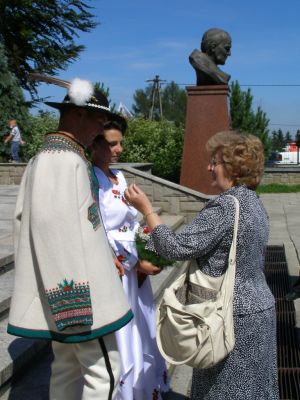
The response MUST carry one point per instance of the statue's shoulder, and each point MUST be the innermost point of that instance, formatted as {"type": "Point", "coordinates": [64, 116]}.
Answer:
{"type": "Point", "coordinates": [198, 59]}
{"type": "Point", "coordinates": [196, 54]}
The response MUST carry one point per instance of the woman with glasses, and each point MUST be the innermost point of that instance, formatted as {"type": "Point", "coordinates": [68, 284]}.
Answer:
{"type": "Point", "coordinates": [249, 372]}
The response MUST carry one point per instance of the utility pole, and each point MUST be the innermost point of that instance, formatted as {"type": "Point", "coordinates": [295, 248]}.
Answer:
{"type": "Point", "coordinates": [156, 93]}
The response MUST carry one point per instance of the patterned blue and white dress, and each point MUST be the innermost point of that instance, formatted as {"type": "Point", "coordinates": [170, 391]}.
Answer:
{"type": "Point", "coordinates": [250, 371]}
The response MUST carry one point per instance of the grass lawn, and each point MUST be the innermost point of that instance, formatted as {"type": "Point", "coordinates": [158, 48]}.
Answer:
{"type": "Point", "coordinates": [278, 188]}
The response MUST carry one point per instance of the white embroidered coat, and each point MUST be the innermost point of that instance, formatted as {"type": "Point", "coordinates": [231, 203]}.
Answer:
{"type": "Point", "coordinates": [66, 285]}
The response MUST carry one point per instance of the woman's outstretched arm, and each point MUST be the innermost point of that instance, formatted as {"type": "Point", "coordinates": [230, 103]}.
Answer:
{"type": "Point", "coordinates": [139, 200]}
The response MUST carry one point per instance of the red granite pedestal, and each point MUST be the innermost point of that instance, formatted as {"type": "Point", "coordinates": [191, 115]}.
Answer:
{"type": "Point", "coordinates": [207, 114]}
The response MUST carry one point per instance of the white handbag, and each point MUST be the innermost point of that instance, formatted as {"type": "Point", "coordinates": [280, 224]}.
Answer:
{"type": "Point", "coordinates": [195, 315]}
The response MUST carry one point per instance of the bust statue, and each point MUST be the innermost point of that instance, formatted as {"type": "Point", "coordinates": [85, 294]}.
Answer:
{"type": "Point", "coordinates": [215, 48]}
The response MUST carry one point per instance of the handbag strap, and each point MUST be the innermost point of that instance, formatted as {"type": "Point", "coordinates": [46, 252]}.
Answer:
{"type": "Point", "coordinates": [232, 253]}
{"type": "Point", "coordinates": [227, 286]}
{"type": "Point", "coordinates": [229, 275]}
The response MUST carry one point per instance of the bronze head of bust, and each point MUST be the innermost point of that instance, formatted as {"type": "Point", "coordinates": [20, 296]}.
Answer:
{"type": "Point", "coordinates": [215, 48]}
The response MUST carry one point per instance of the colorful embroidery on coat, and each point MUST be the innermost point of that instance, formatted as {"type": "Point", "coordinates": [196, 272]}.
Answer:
{"type": "Point", "coordinates": [70, 304]}
{"type": "Point", "coordinates": [57, 142]}
{"type": "Point", "coordinates": [93, 216]}
{"type": "Point", "coordinates": [94, 183]}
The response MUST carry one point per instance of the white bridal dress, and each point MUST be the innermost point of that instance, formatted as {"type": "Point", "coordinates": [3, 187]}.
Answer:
{"type": "Point", "coordinates": [144, 373]}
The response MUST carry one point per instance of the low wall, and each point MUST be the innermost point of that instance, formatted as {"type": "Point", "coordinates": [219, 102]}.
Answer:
{"type": "Point", "coordinates": [172, 198]}
{"type": "Point", "coordinates": [284, 175]}
{"type": "Point", "coordinates": [11, 174]}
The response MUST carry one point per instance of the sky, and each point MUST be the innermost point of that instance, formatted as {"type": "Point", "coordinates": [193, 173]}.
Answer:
{"type": "Point", "coordinates": [138, 39]}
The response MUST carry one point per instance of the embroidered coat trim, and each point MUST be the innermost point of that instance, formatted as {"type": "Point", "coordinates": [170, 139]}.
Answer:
{"type": "Point", "coordinates": [70, 304]}
{"type": "Point", "coordinates": [70, 338]}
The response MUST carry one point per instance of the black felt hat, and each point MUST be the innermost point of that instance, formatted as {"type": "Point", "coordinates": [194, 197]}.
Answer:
{"type": "Point", "coordinates": [81, 93]}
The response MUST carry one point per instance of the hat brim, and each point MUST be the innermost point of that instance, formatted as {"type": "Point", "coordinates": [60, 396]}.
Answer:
{"type": "Point", "coordinates": [111, 116]}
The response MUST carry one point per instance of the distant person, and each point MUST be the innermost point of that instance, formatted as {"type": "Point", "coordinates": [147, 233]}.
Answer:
{"type": "Point", "coordinates": [215, 48]}
{"type": "Point", "coordinates": [15, 138]}
{"type": "Point", "coordinates": [143, 373]}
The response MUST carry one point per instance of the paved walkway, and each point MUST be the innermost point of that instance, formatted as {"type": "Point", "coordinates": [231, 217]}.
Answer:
{"type": "Point", "coordinates": [284, 215]}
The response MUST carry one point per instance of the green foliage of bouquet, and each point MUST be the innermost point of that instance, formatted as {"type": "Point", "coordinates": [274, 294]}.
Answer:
{"type": "Point", "coordinates": [141, 239]}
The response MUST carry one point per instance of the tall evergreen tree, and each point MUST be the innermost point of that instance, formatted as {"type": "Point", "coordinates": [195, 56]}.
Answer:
{"type": "Point", "coordinates": [12, 105]}
{"type": "Point", "coordinates": [105, 90]}
{"type": "Point", "coordinates": [244, 119]}
{"type": "Point", "coordinates": [287, 138]}
{"type": "Point", "coordinates": [297, 137]}
{"type": "Point", "coordinates": [278, 140]}
{"type": "Point", "coordinates": [173, 103]}
{"type": "Point", "coordinates": [142, 102]}
{"type": "Point", "coordinates": [39, 35]}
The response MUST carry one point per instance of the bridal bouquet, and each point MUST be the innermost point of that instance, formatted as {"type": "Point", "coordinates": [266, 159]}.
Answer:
{"type": "Point", "coordinates": [141, 239]}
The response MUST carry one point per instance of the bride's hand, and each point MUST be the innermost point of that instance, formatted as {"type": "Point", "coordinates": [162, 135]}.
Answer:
{"type": "Point", "coordinates": [147, 267]}
{"type": "Point", "coordinates": [119, 267]}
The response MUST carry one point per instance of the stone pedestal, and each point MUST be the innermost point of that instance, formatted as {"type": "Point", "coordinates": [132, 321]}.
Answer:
{"type": "Point", "coordinates": [207, 114]}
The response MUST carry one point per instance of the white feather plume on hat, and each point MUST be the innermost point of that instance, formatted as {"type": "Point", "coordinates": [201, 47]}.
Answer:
{"type": "Point", "coordinates": [80, 91]}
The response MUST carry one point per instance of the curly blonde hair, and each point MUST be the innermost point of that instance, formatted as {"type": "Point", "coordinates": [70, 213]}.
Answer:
{"type": "Point", "coordinates": [242, 154]}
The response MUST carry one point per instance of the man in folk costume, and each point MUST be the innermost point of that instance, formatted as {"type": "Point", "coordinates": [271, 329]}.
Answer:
{"type": "Point", "coordinates": [67, 288]}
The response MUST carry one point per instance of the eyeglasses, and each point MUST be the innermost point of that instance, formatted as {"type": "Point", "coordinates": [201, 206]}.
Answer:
{"type": "Point", "coordinates": [213, 162]}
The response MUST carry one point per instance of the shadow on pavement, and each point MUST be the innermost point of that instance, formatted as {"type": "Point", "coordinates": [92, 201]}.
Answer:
{"type": "Point", "coordinates": [174, 396]}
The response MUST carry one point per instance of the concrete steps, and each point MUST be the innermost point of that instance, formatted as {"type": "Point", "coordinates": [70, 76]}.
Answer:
{"type": "Point", "coordinates": [15, 353]}
{"type": "Point", "coordinates": [6, 289]}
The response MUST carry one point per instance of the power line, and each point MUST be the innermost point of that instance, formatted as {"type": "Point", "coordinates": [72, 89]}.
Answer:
{"type": "Point", "coordinates": [272, 85]}
{"type": "Point", "coordinates": [156, 89]}
{"type": "Point", "coordinates": [298, 125]}
{"type": "Point", "coordinates": [252, 84]}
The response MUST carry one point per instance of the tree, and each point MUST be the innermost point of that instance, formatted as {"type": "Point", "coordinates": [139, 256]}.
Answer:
{"type": "Point", "coordinates": [297, 137]}
{"type": "Point", "coordinates": [278, 141]}
{"type": "Point", "coordinates": [12, 105]}
{"type": "Point", "coordinates": [105, 90]}
{"type": "Point", "coordinates": [173, 103]}
{"type": "Point", "coordinates": [157, 142]}
{"type": "Point", "coordinates": [38, 126]}
{"type": "Point", "coordinates": [244, 119]}
{"type": "Point", "coordinates": [38, 35]}
{"type": "Point", "coordinates": [287, 138]}
{"type": "Point", "coordinates": [142, 102]}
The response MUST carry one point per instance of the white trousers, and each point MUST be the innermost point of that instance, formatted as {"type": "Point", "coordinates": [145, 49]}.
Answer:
{"type": "Point", "coordinates": [85, 371]}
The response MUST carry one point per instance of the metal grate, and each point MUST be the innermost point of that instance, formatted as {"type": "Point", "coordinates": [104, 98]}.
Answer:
{"type": "Point", "coordinates": [287, 345]}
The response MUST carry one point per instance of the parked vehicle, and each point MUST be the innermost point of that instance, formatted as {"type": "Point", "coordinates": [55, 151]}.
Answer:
{"type": "Point", "coordinates": [290, 155]}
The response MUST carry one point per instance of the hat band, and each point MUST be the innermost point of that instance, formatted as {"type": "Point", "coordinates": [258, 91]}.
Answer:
{"type": "Point", "coordinates": [90, 105]}
{"type": "Point", "coordinates": [98, 106]}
